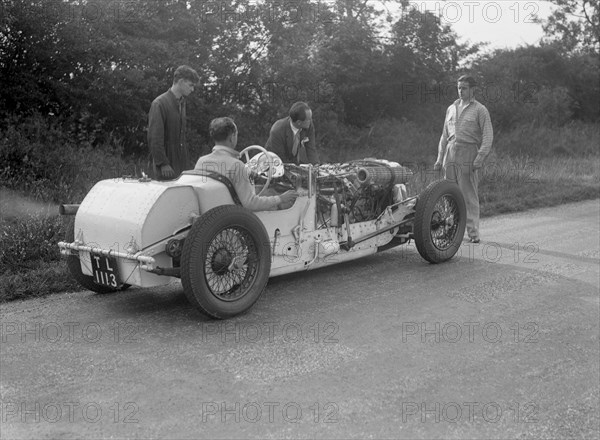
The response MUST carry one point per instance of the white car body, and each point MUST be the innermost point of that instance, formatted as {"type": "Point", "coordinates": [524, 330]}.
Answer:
{"type": "Point", "coordinates": [131, 231]}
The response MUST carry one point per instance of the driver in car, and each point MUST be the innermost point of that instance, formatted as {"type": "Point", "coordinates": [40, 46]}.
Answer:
{"type": "Point", "coordinates": [225, 160]}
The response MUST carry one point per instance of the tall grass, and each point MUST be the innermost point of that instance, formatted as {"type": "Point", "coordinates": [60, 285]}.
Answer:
{"type": "Point", "coordinates": [526, 183]}
{"type": "Point", "coordinates": [575, 139]}
{"type": "Point", "coordinates": [29, 257]}
{"type": "Point", "coordinates": [406, 142]}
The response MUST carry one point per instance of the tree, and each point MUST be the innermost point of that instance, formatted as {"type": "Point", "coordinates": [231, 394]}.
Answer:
{"type": "Point", "coordinates": [423, 60]}
{"type": "Point", "coordinates": [575, 25]}
{"type": "Point", "coordinates": [538, 85]}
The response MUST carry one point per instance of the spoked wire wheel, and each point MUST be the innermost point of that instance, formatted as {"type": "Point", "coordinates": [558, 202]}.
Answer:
{"type": "Point", "coordinates": [226, 261]}
{"type": "Point", "coordinates": [445, 222]}
{"type": "Point", "coordinates": [440, 221]}
{"type": "Point", "coordinates": [231, 263]}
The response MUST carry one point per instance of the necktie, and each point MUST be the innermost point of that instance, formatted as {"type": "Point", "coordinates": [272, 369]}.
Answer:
{"type": "Point", "coordinates": [296, 143]}
{"type": "Point", "coordinates": [181, 119]}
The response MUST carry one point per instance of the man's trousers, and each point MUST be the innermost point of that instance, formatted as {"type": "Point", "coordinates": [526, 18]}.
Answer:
{"type": "Point", "coordinates": [458, 167]}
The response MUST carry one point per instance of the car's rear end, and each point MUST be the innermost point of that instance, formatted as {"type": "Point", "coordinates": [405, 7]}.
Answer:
{"type": "Point", "coordinates": [129, 231]}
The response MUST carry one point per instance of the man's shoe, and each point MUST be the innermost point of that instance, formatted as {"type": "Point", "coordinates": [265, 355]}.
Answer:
{"type": "Point", "coordinates": [474, 240]}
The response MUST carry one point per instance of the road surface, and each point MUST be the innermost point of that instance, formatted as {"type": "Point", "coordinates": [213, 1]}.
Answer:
{"type": "Point", "coordinates": [500, 342]}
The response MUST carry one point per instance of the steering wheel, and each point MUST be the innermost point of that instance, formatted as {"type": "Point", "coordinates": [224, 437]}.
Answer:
{"type": "Point", "coordinates": [266, 164]}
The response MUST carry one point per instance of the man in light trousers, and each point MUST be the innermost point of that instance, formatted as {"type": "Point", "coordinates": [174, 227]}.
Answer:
{"type": "Point", "coordinates": [465, 142]}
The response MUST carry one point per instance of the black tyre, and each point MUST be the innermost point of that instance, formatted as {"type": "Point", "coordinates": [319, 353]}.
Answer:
{"type": "Point", "coordinates": [74, 266]}
{"type": "Point", "coordinates": [440, 220]}
{"type": "Point", "coordinates": [226, 261]}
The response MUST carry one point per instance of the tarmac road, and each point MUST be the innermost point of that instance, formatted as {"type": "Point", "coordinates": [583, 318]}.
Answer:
{"type": "Point", "coordinates": [500, 342]}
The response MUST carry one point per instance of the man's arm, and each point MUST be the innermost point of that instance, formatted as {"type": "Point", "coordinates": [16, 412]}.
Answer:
{"type": "Point", "coordinates": [442, 144]}
{"type": "Point", "coordinates": [311, 148]}
{"type": "Point", "coordinates": [246, 193]}
{"type": "Point", "coordinates": [156, 135]}
{"type": "Point", "coordinates": [487, 136]}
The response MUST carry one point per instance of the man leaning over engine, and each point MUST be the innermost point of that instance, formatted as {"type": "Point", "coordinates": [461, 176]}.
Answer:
{"type": "Point", "coordinates": [224, 159]}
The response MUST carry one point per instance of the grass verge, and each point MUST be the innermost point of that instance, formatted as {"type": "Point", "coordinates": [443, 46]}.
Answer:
{"type": "Point", "coordinates": [30, 261]}
{"type": "Point", "coordinates": [49, 277]}
{"type": "Point", "coordinates": [540, 183]}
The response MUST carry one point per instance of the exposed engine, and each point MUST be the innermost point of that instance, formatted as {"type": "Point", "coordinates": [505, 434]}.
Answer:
{"type": "Point", "coordinates": [358, 191]}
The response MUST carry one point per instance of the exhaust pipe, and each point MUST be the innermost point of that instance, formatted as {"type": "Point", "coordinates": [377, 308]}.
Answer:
{"type": "Point", "coordinates": [68, 209]}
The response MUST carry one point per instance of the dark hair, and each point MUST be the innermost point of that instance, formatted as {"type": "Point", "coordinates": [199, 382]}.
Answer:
{"type": "Point", "coordinates": [221, 128]}
{"type": "Point", "coordinates": [298, 111]}
{"type": "Point", "coordinates": [186, 72]}
{"type": "Point", "coordinates": [468, 79]}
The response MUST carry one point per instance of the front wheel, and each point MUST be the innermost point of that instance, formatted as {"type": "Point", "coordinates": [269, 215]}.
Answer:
{"type": "Point", "coordinates": [440, 221]}
{"type": "Point", "coordinates": [226, 261]}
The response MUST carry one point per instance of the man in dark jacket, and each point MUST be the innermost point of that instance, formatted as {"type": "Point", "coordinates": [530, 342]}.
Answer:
{"type": "Point", "coordinates": [166, 126]}
{"type": "Point", "coordinates": [293, 138]}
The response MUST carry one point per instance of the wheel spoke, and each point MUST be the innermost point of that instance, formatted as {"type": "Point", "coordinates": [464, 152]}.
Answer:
{"type": "Point", "coordinates": [444, 222]}
{"type": "Point", "coordinates": [231, 263]}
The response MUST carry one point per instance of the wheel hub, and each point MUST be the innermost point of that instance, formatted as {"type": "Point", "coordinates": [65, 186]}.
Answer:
{"type": "Point", "coordinates": [237, 263]}
{"type": "Point", "coordinates": [443, 224]}
{"type": "Point", "coordinates": [221, 261]}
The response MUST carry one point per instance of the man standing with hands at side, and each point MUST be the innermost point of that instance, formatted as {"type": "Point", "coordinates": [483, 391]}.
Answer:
{"type": "Point", "coordinates": [293, 138]}
{"type": "Point", "coordinates": [465, 142]}
{"type": "Point", "coordinates": [167, 124]}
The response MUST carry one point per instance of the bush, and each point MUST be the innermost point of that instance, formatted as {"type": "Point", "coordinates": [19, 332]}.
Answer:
{"type": "Point", "coordinates": [576, 139]}
{"type": "Point", "coordinates": [40, 159]}
{"type": "Point", "coordinates": [397, 140]}
{"type": "Point", "coordinates": [27, 241]}
{"type": "Point", "coordinates": [30, 261]}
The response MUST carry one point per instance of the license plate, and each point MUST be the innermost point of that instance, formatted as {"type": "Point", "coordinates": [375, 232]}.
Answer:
{"type": "Point", "coordinates": [104, 271]}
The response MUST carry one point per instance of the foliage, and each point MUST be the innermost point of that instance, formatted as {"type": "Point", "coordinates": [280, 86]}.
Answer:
{"type": "Point", "coordinates": [98, 65]}
{"type": "Point", "coordinates": [40, 158]}
{"type": "Point", "coordinates": [575, 26]}
{"type": "Point", "coordinates": [91, 69]}
{"type": "Point", "coordinates": [571, 140]}
{"type": "Point", "coordinates": [538, 85]}
{"type": "Point", "coordinates": [30, 262]}
{"type": "Point", "coordinates": [25, 242]}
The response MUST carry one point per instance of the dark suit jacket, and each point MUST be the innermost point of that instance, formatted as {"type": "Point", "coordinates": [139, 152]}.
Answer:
{"type": "Point", "coordinates": [281, 141]}
{"type": "Point", "coordinates": [166, 134]}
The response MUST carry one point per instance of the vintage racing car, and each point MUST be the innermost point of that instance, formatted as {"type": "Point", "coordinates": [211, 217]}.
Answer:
{"type": "Point", "coordinates": [142, 232]}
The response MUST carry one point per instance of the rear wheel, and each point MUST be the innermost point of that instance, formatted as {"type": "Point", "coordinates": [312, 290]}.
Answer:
{"type": "Point", "coordinates": [440, 220]}
{"type": "Point", "coordinates": [74, 266]}
{"type": "Point", "coordinates": [226, 261]}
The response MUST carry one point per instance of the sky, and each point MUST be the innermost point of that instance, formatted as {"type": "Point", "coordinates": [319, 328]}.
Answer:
{"type": "Point", "coordinates": [502, 23]}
